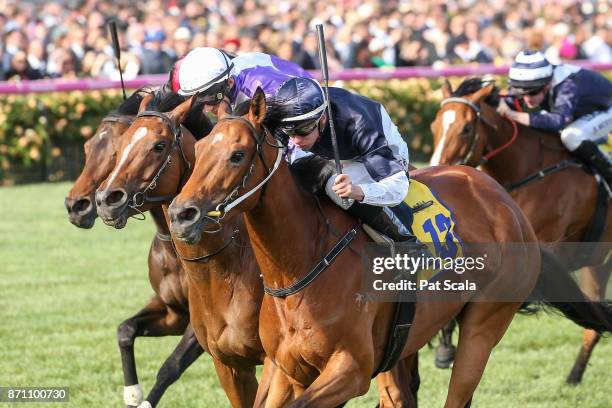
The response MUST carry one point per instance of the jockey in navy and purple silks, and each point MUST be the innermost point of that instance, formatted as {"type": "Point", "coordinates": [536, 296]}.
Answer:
{"type": "Point", "coordinates": [373, 153]}
{"type": "Point", "coordinates": [573, 101]}
{"type": "Point", "coordinates": [220, 80]}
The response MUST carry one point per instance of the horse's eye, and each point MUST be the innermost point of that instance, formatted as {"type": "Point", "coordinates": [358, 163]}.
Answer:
{"type": "Point", "coordinates": [237, 157]}
{"type": "Point", "coordinates": [467, 129]}
{"type": "Point", "coordinates": [159, 147]}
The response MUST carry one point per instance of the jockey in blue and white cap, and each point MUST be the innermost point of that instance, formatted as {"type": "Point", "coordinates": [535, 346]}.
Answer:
{"type": "Point", "coordinates": [573, 101]}
{"type": "Point", "coordinates": [372, 151]}
{"type": "Point", "coordinates": [220, 80]}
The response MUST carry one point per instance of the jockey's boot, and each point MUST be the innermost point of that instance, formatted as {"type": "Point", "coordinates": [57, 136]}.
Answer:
{"type": "Point", "coordinates": [589, 152]}
{"type": "Point", "coordinates": [383, 220]}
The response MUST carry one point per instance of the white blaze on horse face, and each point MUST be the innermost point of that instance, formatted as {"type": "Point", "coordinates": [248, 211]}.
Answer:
{"type": "Point", "coordinates": [102, 134]}
{"type": "Point", "coordinates": [218, 137]}
{"type": "Point", "coordinates": [136, 137]}
{"type": "Point", "coordinates": [448, 118]}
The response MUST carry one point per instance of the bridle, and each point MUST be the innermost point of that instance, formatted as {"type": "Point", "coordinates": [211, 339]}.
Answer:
{"type": "Point", "coordinates": [233, 198]}
{"type": "Point", "coordinates": [140, 197]}
{"type": "Point", "coordinates": [476, 136]}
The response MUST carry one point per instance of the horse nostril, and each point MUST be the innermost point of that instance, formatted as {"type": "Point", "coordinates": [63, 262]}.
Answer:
{"type": "Point", "coordinates": [81, 206]}
{"type": "Point", "coordinates": [116, 198]}
{"type": "Point", "coordinates": [188, 214]}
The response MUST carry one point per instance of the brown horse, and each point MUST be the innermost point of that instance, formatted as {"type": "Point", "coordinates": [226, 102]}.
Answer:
{"type": "Point", "coordinates": [324, 342]}
{"type": "Point", "coordinates": [224, 287]}
{"type": "Point", "coordinates": [225, 290]}
{"type": "Point", "coordinates": [560, 206]}
{"type": "Point", "coordinates": [167, 312]}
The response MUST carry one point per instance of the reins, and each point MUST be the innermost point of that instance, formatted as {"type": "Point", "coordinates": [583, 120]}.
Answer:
{"type": "Point", "coordinates": [475, 136]}
{"type": "Point", "coordinates": [233, 198]}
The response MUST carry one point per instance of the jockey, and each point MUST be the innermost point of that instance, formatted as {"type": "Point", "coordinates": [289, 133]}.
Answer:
{"type": "Point", "coordinates": [571, 100]}
{"type": "Point", "coordinates": [221, 81]}
{"type": "Point", "coordinates": [374, 155]}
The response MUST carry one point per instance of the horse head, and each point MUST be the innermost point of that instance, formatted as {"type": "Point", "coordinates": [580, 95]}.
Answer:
{"type": "Point", "coordinates": [456, 134]}
{"type": "Point", "coordinates": [152, 161]}
{"type": "Point", "coordinates": [231, 166]}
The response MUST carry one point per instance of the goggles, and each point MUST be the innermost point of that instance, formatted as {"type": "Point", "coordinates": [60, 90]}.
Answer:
{"type": "Point", "coordinates": [304, 129]}
{"type": "Point", "coordinates": [528, 92]}
{"type": "Point", "coordinates": [214, 95]}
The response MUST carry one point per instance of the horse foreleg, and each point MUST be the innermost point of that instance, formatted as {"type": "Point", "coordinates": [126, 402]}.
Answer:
{"type": "Point", "coordinates": [482, 327]}
{"type": "Point", "coordinates": [399, 386]}
{"type": "Point", "coordinates": [239, 384]}
{"type": "Point", "coordinates": [186, 352]}
{"type": "Point", "coordinates": [342, 379]}
{"type": "Point", "coordinates": [445, 352]}
{"type": "Point", "coordinates": [153, 320]}
{"type": "Point", "coordinates": [593, 284]}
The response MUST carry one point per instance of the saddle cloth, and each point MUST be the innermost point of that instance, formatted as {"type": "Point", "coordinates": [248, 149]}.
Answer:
{"type": "Point", "coordinates": [433, 224]}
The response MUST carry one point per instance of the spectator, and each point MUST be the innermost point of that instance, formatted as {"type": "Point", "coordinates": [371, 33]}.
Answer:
{"type": "Point", "coordinates": [20, 68]}
{"type": "Point", "coordinates": [360, 33]}
{"type": "Point", "coordinates": [154, 59]}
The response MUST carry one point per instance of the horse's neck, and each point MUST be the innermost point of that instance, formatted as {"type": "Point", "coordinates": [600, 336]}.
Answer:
{"type": "Point", "coordinates": [285, 229]}
{"type": "Point", "coordinates": [159, 219]}
{"type": "Point", "coordinates": [519, 160]}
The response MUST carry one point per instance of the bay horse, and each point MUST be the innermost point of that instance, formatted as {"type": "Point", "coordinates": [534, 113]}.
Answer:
{"type": "Point", "coordinates": [224, 282]}
{"type": "Point", "coordinates": [167, 311]}
{"type": "Point", "coordinates": [324, 342]}
{"type": "Point", "coordinates": [559, 205]}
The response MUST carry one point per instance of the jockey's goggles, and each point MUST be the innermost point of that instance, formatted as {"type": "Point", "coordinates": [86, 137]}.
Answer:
{"type": "Point", "coordinates": [212, 96]}
{"type": "Point", "coordinates": [528, 92]}
{"type": "Point", "coordinates": [303, 129]}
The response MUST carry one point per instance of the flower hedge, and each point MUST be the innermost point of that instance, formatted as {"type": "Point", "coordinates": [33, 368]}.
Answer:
{"type": "Point", "coordinates": [44, 133]}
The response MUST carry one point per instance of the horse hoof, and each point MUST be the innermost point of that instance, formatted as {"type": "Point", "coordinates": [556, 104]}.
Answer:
{"type": "Point", "coordinates": [573, 379]}
{"type": "Point", "coordinates": [444, 357]}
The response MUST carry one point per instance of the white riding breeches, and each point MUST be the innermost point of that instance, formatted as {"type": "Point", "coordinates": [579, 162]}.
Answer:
{"type": "Point", "coordinates": [595, 127]}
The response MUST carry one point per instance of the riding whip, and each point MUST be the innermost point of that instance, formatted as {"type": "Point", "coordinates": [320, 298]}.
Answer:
{"type": "Point", "coordinates": [112, 25]}
{"type": "Point", "coordinates": [325, 76]}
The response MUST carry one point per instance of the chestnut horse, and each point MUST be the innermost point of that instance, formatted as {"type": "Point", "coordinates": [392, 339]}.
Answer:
{"type": "Point", "coordinates": [225, 290]}
{"type": "Point", "coordinates": [167, 312]}
{"type": "Point", "coordinates": [560, 206]}
{"type": "Point", "coordinates": [324, 342]}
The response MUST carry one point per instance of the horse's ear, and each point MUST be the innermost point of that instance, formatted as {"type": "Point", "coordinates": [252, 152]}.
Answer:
{"type": "Point", "coordinates": [257, 109]}
{"type": "Point", "coordinates": [483, 93]}
{"type": "Point", "coordinates": [179, 113]}
{"type": "Point", "coordinates": [145, 101]}
{"type": "Point", "coordinates": [447, 90]}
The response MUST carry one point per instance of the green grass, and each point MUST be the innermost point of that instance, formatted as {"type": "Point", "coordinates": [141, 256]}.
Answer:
{"type": "Point", "coordinates": [63, 291]}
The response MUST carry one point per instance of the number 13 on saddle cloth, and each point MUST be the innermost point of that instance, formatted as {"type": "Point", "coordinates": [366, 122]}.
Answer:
{"type": "Point", "coordinates": [433, 225]}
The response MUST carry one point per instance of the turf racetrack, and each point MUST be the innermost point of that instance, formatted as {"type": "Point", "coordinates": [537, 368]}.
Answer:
{"type": "Point", "coordinates": [63, 291]}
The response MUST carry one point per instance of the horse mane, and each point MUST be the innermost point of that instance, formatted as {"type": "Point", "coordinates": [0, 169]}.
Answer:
{"type": "Point", "coordinates": [132, 103]}
{"type": "Point", "coordinates": [311, 173]}
{"type": "Point", "coordinates": [196, 121]}
{"type": "Point", "coordinates": [164, 100]}
{"type": "Point", "coordinates": [474, 84]}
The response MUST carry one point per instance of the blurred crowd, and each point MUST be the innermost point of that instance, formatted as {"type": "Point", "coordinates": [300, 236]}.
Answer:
{"type": "Point", "coordinates": [69, 38]}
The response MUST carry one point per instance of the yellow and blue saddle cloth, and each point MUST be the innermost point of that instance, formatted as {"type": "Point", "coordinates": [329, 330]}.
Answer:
{"type": "Point", "coordinates": [434, 225]}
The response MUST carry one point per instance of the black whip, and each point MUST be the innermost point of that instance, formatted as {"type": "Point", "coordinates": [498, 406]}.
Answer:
{"type": "Point", "coordinates": [112, 25]}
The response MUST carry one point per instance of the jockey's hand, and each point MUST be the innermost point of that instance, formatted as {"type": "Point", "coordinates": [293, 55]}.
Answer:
{"type": "Point", "coordinates": [344, 187]}
{"type": "Point", "coordinates": [503, 108]}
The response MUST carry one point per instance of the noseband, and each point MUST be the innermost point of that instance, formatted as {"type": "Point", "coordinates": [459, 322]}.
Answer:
{"type": "Point", "coordinates": [139, 198]}
{"type": "Point", "coordinates": [233, 199]}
